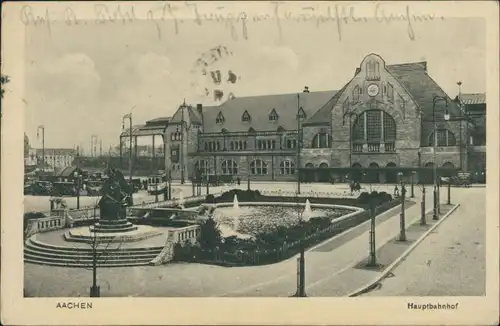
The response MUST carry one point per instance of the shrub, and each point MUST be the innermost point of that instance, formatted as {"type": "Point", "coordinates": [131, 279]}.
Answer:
{"type": "Point", "coordinates": [210, 199]}
{"type": "Point", "coordinates": [33, 215]}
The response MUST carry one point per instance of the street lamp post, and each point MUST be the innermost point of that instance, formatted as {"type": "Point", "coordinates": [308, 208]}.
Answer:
{"type": "Point", "coordinates": [373, 255]}
{"type": "Point", "coordinates": [77, 176]}
{"type": "Point", "coordinates": [301, 286]}
{"type": "Point", "coordinates": [182, 142]}
{"type": "Point", "coordinates": [422, 206]}
{"type": "Point", "coordinates": [129, 117]}
{"type": "Point", "coordinates": [299, 141]}
{"type": "Point", "coordinates": [413, 173]}
{"type": "Point", "coordinates": [449, 193]}
{"type": "Point", "coordinates": [42, 128]}
{"type": "Point", "coordinates": [402, 233]}
{"type": "Point", "coordinates": [436, 99]}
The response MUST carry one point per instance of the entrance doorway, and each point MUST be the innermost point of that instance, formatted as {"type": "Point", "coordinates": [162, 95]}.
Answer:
{"type": "Point", "coordinates": [391, 176]}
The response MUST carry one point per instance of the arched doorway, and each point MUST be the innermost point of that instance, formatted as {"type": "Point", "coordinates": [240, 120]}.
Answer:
{"type": "Point", "coordinates": [323, 173]}
{"type": "Point", "coordinates": [373, 175]}
{"type": "Point", "coordinates": [355, 175]}
{"type": "Point", "coordinates": [428, 175]}
{"type": "Point", "coordinates": [391, 176]}
{"type": "Point", "coordinates": [308, 174]}
{"type": "Point", "coordinates": [449, 172]}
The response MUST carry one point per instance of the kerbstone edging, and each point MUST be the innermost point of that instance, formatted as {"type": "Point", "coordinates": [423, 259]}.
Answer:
{"type": "Point", "coordinates": [405, 254]}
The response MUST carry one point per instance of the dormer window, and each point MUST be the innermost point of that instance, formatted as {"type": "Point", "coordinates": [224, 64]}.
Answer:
{"type": "Point", "coordinates": [273, 116]}
{"type": "Point", "coordinates": [246, 117]}
{"type": "Point", "coordinates": [301, 113]}
{"type": "Point", "coordinates": [220, 119]}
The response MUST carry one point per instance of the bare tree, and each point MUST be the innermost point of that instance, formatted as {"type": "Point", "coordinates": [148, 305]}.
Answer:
{"type": "Point", "coordinates": [100, 252]}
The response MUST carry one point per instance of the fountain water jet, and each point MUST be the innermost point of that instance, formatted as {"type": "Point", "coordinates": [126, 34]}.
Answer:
{"type": "Point", "coordinates": [307, 213]}
{"type": "Point", "coordinates": [236, 211]}
{"type": "Point", "coordinates": [236, 204]}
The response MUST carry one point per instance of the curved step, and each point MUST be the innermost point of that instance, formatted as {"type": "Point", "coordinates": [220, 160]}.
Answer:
{"type": "Point", "coordinates": [37, 252]}
{"type": "Point", "coordinates": [75, 265]}
{"type": "Point", "coordinates": [112, 255]}
{"type": "Point", "coordinates": [87, 260]}
{"type": "Point", "coordinates": [37, 243]}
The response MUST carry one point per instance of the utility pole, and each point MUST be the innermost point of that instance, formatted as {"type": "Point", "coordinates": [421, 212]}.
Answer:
{"type": "Point", "coordinates": [402, 233]}
{"type": "Point", "coordinates": [182, 141]}
{"type": "Point", "coordinates": [129, 117]}
{"type": "Point", "coordinates": [78, 177]}
{"type": "Point", "coordinates": [93, 144]}
{"type": "Point", "coordinates": [42, 128]}
{"type": "Point", "coordinates": [94, 289]}
{"type": "Point", "coordinates": [373, 255]}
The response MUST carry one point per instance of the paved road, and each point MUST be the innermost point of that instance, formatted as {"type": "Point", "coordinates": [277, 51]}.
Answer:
{"type": "Point", "coordinates": [451, 261]}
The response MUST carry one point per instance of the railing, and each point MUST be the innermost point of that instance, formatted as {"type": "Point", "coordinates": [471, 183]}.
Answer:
{"type": "Point", "coordinates": [357, 148]}
{"type": "Point", "coordinates": [310, 193]}
{"type": "Point", "coordinates": [374, 147]}
{"type": "Point", "coordinates": [45, 224]}
{"type": "Point", "coordinates": [389, 147]}
{"type": "Point", "coordinates": [180, 235]}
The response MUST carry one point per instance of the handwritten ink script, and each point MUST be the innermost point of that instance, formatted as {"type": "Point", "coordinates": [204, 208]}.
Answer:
{"type": "Point", "coordinates": [163, 16]}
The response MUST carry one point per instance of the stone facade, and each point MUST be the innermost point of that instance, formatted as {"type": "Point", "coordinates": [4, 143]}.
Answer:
{"type": "Point", "coordinates": [373, 97]}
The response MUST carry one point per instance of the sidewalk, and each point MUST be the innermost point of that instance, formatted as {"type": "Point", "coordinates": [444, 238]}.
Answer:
{"type": "Point", "coordinates": [333, 257]}
{"type": "Point", "coordinates": [356, 278]}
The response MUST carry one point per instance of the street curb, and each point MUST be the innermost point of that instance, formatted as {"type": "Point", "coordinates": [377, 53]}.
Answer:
{"type": "Point", "coordinates": [405, 254]}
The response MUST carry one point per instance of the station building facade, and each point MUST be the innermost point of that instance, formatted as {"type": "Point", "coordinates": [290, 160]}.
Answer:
{"type": "Point", "coordinates": [383, 118]}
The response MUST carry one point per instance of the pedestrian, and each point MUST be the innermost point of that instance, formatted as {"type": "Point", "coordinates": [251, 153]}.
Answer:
{"type": "Point", "coordinates": [396, 191]}
{"type": "Point", "coordinates": [238, 179]}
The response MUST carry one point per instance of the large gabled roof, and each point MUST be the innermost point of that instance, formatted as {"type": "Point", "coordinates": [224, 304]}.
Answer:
{"type": "Point", "coordinates": [323, 115]}
{"type": "Point", "coordinates": [191, 114]}
{"type": "Point", "coordinates": [259, 108]}
{"type": "Point", "coordinates": [422, 88]}
{"type": "Point", "coordinates": [473, 98]}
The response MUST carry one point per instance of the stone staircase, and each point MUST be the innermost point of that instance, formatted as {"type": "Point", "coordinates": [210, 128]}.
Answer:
{"type": "Point", "coordinates": [37, 252]}
{"type": "Point", "coordinates": [166, 255]}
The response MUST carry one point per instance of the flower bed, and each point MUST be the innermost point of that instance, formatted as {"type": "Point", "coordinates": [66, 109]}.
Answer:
{"type": "Point", "coordinates": [281, 237]}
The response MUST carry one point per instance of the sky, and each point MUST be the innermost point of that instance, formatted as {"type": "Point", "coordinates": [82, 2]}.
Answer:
{"type": "Point", "coordinates": [81, 79]}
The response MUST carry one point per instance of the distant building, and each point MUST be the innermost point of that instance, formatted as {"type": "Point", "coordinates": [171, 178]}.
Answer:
{"type": "Point", "coordinates": [56, 158]}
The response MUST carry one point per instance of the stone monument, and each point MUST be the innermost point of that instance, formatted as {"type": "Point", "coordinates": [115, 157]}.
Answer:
{"type": "Point", "coordinates": [112, 205]}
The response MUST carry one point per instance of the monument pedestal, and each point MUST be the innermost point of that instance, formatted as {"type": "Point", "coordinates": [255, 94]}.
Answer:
{"type": "Point", "coordinates": [112, 226]}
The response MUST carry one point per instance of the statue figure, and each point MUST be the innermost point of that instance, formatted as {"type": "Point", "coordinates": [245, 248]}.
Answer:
{"type": "Point", "coordinates": [116, 195]}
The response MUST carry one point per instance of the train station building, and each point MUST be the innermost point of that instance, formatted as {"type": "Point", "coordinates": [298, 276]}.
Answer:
{"type": "Point", "coordinates": [383, 121]}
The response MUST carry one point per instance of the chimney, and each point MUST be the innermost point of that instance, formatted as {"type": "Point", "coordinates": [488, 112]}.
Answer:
{"type": "Point", "coordinates": [199, 108]}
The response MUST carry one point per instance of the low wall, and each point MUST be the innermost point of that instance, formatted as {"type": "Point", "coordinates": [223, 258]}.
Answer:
{"type": "Point", "coordinates": [45, 224]}
{"type": "Point", "coordinates": [310, 193]}
{"type": "Point", "coordinates": [181, 235]}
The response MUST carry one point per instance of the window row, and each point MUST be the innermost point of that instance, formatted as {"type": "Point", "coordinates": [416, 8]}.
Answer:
{"type": "Point", "coordinates": [177, 135]}
{"type": "Point", "coordinates": [444, 138]}
{"type": "Point", "coordinates": [246, 117]}
{"type": "Point", "coordinates": [257, 167]}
